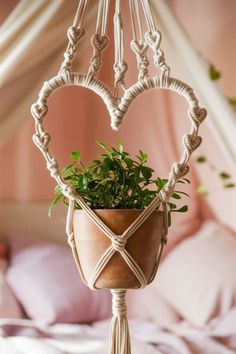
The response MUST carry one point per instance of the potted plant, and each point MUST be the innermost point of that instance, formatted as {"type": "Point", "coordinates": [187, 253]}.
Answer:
{"type": "Point", "coordinates": [118, 188]}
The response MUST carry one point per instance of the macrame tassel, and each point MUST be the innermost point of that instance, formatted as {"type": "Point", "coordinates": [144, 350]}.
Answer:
{"type": "Point", "coordinates": [119, 331]}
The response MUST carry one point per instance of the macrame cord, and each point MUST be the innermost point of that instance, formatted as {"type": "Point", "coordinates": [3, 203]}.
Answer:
{"type": "Point", "coordinates": [117, 106]}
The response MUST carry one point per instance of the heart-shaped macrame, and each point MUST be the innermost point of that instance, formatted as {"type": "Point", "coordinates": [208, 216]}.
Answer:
{"type": "Point", "coordinates": [117, 110]}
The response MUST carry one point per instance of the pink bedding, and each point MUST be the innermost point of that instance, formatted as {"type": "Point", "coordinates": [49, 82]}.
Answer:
{"type": "Point", "coordinates": [27, 337]}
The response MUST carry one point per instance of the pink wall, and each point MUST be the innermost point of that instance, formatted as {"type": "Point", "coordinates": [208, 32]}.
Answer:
{"type": "Point", "coordinates": [77, 118]}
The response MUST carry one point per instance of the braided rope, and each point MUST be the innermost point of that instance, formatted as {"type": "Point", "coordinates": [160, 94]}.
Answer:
{"type": "Point", "coordinates": [120, 66]}
{"type": "Point", "coordinates": [99, 40]}
{"type": "Point", "coordinates": [75, 34]}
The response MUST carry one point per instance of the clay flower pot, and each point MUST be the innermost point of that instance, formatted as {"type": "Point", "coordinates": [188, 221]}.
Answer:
{"type": "Point", "coordinates": [143, 245]}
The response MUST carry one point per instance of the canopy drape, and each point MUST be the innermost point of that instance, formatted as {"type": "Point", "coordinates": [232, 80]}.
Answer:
{"type": "Point", "coordinates": [32, 27]}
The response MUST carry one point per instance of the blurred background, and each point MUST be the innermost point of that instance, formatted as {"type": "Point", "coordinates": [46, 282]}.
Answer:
{"type": "Point", "coordinates": [199, 44]}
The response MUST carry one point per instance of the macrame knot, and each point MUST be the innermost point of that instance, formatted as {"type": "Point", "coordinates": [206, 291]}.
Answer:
{"type": "Point", "coordinates": [118, 243]}
{"type": "Point", "coordinates": [120, 70]}
{"type": "Point", "coordinates": [153, 39]}
{"type": "Point", "coordinates": [198, 114]}
{"type": "Point", "coordinates": [39, 111]}
{"type": "Point", "coordinates": [140, 49]}
{"type": "Point", "coordinates": [75, 34]}
{"type": "Point", "coordinates": [99, 42]}
{"type": "Point", "coordinates": [68, 191]}
{"type": "Point", "coordinates": [192, 142]}
{"type": "Point", "coordinates": [52, 166]}
{"type": "Point", "coordinates": [118, 302]}
{"type": "Point", "coordinates": [42, 140]}
{"type": "Point", "coordinates": [159, 58]}
{"type": "Point", "coordinates": [179, 170]}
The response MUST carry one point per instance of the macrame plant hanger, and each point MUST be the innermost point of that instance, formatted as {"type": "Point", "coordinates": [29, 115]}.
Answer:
{"type": "Point", "coordinates": [117, 103]}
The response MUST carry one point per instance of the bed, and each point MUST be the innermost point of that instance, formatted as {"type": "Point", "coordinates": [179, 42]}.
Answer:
{"type": "Point", "coordinates": [41, 313]}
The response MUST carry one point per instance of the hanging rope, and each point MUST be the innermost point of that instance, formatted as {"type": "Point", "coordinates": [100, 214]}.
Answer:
{"type": "Point", "coordinates": [119, 329]}
{"type": "Point", "coordinates": [75, 33]}
{"type": "Point", "coordinates": [153, 39]}
{"type": "Point", "coordinates": [120, 66]}
{"type": "Point", "coordinates": [138, 44]}
{"type": "Point", "coordinates": [99, 40]}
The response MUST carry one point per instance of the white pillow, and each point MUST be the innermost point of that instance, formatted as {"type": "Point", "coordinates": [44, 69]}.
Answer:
{"type": "Point", "coordinates": [198, 278]}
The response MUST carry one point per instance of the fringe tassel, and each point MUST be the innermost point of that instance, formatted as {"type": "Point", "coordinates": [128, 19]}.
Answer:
{"type": "Point", "coordinates": [119, 330]}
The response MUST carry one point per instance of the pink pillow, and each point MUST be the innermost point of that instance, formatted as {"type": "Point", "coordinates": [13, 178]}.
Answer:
{"type": "Point", "coordinates": [198, 277]}
{"type": "Point", "coordinates": [46, 281]}
{"type": "Point", "coordinates": [9, 307]}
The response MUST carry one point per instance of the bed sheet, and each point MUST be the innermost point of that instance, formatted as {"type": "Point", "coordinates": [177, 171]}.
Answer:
{"type": "Point", "coordinates": [27, 337]}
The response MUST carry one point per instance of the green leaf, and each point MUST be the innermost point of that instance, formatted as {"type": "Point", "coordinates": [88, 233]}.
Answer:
{"type": "Point", "coordinates": [146, 172]}
{"type": "Point", "coordinates": [224, 175]}
{"type": "Point", "coordinates": [128, 162]}
{"type": "Point", "coordinates": [172, 206]}
{"type": "Point", "coordinates": [176, 196]}
{"type": "Point", "coordinates": [58, 190]}
{"type": "Point", "coordinates": [201, 159]}
{"type": "Point", "coordinates": [202, 190]}
{"type": "Point", "coordinates": [183, 209]}
{"type": "Point", "coordinates": [121, 146]}
{"type": "Point", "coordinates": [54, 203]}
{"type": "Point", "coordinates": [230, 185]}
{"type": "Point", "coordinates": [75, 155]}
{"type": "Point", "coordinates": [180, 192]}
{"type": "Point", "coordinates": [159, 183]}
{"type": "Point", "coordinates": [232, 102]}
{"type": "Point", "coordinates": [143, 157]}
{"type": "Point", "coordinates": [103, 146]}
{"type": "Point", "coordinates": [214, 73]}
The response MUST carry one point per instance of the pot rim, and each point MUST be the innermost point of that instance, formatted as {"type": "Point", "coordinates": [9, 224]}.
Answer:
{"type": "Point", "coordinates": [121, 210]}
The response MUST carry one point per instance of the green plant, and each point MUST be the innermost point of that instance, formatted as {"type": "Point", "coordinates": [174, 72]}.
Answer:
{"type": "Point", "coordinates": [115, 180]}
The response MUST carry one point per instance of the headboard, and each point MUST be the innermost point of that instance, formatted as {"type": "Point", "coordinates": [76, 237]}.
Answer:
{"type": "Point", "coordinates": [32, 219]}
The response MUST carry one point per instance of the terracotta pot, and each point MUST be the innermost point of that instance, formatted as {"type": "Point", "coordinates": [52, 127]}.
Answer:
{"type": "Point", "coordinates": [143, 245]}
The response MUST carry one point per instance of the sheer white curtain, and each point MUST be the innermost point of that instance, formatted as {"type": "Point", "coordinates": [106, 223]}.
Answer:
{"type": "Point", "coordinates": [32, 41]}
{"type": "Point", "coordinates": [186, 65]}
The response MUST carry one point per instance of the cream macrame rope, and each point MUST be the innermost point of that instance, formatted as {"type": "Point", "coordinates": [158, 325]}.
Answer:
{"type": "Point", "coordinates": [75, 33]}
{"type": "Point", "coordinates": [120, 66]}
{"type": "Point", "coordinates": [138, 45]}
{"type": "Point", "coordinates": [99, 40]}
{"type": "Point", "coordinates": [117, 107]}
{"type": "Point", "coordinates": [118, 242]}
{"type": "Point", "coordinates": [119, 326]}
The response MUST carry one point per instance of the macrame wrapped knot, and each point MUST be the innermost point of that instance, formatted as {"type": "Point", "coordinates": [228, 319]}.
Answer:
{"type": "Point", "coordinates": [153, 39]}
{"type": "Point", "coordinates": [179, 170]}
{"type": "Point", "coordinates": [53, 167]}
{"type": "Point", "coordinates": [39, 111]}
{"type": "Point", "coordinates": [120, 71]}
{"type": "Point", "coordinates": [68, 191]}
{"type": "Point", "coordinates": [99, 42]}
{"type": "Point", "coordinates": [75, 35]}
{"type": "Point", "coordinates": [192, 142]}
{"type": "Point", "coordinates": [118, 243]}
{"type": "Point", "coordinates": [119, 330]}
{"type": "Point", "coordinates": [198, 114]}
{"type": "Point", "coordinates": [42, 140]}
